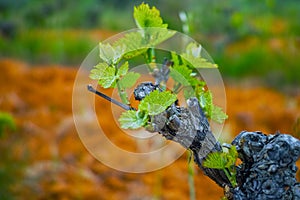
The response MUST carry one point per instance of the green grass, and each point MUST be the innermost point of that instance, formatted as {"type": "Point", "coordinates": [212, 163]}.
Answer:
{"type": "Point", "coordinates": [276, 67]}
{"type": "Point", "coordinates": [42, 32]}
{"type": "Point", "coordinates": [48, 46]}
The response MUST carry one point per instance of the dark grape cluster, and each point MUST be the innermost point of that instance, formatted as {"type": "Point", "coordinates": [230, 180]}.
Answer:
{"type": "Point", "coordinates": [268, 166]}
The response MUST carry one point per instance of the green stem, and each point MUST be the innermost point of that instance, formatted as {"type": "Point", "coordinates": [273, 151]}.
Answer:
{"type": "Point", "coordinates": [151, 55]}
{"type": "Point", "coordinates": [191, 172]}
{"type": "Point", "coordinates": [150, 59]}
{"type": "Point", "coordinates": [122, 94]}
{"type": "Point", "coordinates": [231, 177]}
{"type": "Point", "coordinates": [176, 87]}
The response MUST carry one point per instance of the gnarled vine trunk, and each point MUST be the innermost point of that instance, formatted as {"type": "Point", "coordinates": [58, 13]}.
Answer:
{"type": "Point", "coordinates": [268, 166]}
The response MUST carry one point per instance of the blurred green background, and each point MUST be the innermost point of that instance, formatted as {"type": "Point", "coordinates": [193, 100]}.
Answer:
{"type": "Point", "coordinates": [247, 38]}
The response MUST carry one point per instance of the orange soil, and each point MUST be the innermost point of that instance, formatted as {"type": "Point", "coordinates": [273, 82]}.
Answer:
{"type": "Point", "coordinates": [59, 167]}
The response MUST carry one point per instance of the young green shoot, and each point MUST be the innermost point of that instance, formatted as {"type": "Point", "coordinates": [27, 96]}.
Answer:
{"type": "Point", "coordinates": [225, 161]}
{"type": "Point", "coordinates": [114, 72]}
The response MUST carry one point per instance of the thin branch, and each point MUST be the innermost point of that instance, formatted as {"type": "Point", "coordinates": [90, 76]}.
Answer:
{"type": "Point", "coordinates": [124, 106]}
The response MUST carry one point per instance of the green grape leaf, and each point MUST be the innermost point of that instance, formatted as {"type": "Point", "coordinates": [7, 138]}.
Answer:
{"type": "Point", "coordinates": [132, 119]}
{"type": "Point", "coordinates": [232, 155]}
{"type": "Point", "coordinates": [157, 35]}
{"type": "Point", "coordinates": [215, 160]}
{"type": "Point", "coordinates": [176, 59]}
{"type": "Point", "coordinates": [206, 102]}
{"type": "Point", "coordinates": [123, 69]}
{"type": "Point", "coordinates": [188, 92]}
{"type": "Point", "coordinates": [218, 115]}
{"type": "Point", "coordinates": [147, 17]}
{"type": "Point", "coordinates": [141, 43]}
{"type": "Point", "coordinates": [224, 161]}
{"type": "Point", "coordinates": [98, 70]}
{"type": "Point", "coordinates": [233, 152]}
{"type": "Point", "coordinates": [111, 54]}
{"type": "Point", "coordinates": [133, 49]}
{"type": "Point", "coordinates": [192, 56]}
{"type": "Point", "coordinates": [211, 111]}
{"type": "Point", "coordinates": [156, 102]}
{"type": "Point", "coordinates": [108, 78]}
{"type": "Point", "coordinates": [129, 80]}
{"type": "Point", "coordinates": [181, 74]}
